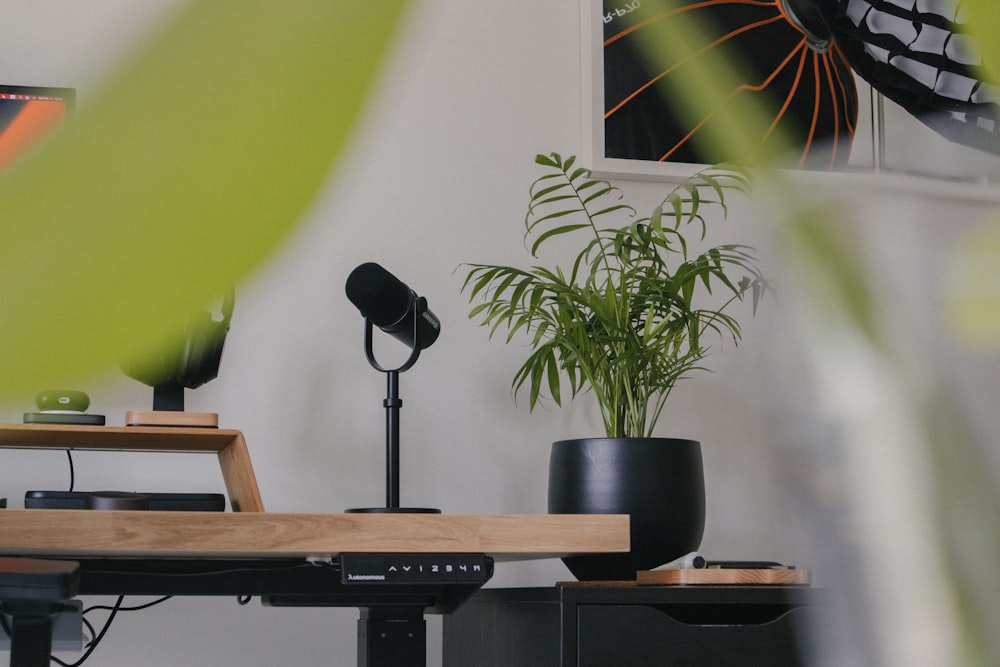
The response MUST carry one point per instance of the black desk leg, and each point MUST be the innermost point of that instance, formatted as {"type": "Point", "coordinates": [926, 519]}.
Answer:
{"type": "Point", "coordinates": [31, 633]}
{"type": "Point", "coordinates": [392, 637]}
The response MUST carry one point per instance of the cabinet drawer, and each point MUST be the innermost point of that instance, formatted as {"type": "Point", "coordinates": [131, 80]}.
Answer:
{"type": "Point", "coordinates": [686, 636]}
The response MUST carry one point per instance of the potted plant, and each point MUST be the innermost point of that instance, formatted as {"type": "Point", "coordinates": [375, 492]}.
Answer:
{"type": "Point", "coordinates": [625, 322]}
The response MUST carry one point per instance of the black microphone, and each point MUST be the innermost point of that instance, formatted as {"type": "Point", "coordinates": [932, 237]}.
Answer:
{"type": "Point", "coordinates": [392, 306]}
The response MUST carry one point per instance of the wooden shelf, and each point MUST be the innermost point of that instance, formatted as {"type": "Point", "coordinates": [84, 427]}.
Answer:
{"type": "Point", "coordinates": [228, 445]}
{"type": "Point", "coordinates": [86, 533]}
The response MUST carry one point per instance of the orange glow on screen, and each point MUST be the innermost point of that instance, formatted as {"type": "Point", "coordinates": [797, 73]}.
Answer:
{"type": "Point", "coordinates": [33, 121]}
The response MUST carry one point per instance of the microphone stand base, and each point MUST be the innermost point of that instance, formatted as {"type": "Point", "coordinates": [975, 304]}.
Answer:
{"type": "Point", "coordinates": [392, 510]}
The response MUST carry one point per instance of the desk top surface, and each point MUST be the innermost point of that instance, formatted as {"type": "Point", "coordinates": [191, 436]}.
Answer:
{"type": "Point", "coordinates": [96, 533]}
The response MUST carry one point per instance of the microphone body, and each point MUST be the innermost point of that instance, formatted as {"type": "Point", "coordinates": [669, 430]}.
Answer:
{"type": "Point", "coordinates": [393, 307]}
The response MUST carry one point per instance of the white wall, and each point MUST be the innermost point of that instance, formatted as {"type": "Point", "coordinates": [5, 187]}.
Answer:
{"type": "Point", "coordinates": [437, 176]}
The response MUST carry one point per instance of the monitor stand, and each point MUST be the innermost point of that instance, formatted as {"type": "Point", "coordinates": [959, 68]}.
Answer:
{"type": "Point", "coordinates": [168, 410]}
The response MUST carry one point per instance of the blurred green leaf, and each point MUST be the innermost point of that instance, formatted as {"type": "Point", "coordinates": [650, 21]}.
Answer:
{"type": "Point", "coordinates": [973, 287]}
{"type": "Point", "coordinates": [180, 177]}
{"type": "Point", "coordinates": [975, 306]}
{"type": "Point", "coordinates": [982, 18]}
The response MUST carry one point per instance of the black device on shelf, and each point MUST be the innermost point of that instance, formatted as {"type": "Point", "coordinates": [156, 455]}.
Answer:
{"type": "Point", "coordinates": [78, 500]}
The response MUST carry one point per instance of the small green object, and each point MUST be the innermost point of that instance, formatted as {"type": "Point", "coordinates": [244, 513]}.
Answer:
{"type": "Point", "coordinates": [62, 400]}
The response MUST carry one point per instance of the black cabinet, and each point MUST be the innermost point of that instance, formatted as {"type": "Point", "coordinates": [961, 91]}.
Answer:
{"type": "Point", "coordinates": [631, 626]}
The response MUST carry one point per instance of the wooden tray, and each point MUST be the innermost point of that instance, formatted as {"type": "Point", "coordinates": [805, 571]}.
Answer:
{"type": "Point", "coordinates": [718, 576]}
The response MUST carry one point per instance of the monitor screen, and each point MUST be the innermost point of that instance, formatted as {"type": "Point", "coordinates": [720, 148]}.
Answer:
{"type": "Point", "coordinates": [27, 113]}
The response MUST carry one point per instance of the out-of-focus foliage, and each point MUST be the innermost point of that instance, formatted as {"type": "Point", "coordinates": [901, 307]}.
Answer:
{"type": "Point", "coordinates": [179, 177]}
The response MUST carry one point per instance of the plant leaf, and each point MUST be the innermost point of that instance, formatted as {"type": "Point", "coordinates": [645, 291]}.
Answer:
{"type": "Point", "coordinates": [622, 324]}
{"type": "Point", "coordinates": [157, 198]}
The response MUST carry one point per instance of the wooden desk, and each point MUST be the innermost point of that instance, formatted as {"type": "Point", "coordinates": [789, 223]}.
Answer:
{"type": "Point", "coordinates": [95, 533]}
{"type": "Point", "coordinates": [252, 552]}
{"type": "Point", "coordinates": [265, 555]}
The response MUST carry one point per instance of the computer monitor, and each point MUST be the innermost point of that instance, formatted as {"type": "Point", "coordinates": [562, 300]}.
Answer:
{"type": "Point", "coordinates": [27, 113]}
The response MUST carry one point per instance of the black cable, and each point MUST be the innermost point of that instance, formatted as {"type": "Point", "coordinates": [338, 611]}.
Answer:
{"type": "Point", "coordinates": [114, 609]}
{"type": "Point", "coordinates": [96, 640]}
{"type": "Point", "coordinates": [138, 607]}
{"type": "Point", "coordinates": [91, 632]}
{"type": "Point", "coordinates": [214, 573]}
{"type": "Point", "coordinates": [72, 473]}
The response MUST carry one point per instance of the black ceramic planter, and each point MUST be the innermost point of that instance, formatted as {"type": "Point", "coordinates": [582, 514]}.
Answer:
{"type": "Point", "coordinates": [658, 481]}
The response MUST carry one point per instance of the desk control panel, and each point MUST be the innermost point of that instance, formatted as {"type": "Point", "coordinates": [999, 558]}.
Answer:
{"type": "Point", "coordinates": [435, 582]}
{"type": "Point", "coordinates": [414, 568]}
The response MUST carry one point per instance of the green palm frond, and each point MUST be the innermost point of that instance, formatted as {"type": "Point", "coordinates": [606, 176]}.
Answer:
{"type": "Point", "coordinates": [626, 323]}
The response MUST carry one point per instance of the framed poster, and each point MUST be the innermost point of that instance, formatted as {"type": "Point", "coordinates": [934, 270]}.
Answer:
{"type": "Point", "coordinates": [836, 105]}
{"type": "Point", "coordinates": [638, 122]}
